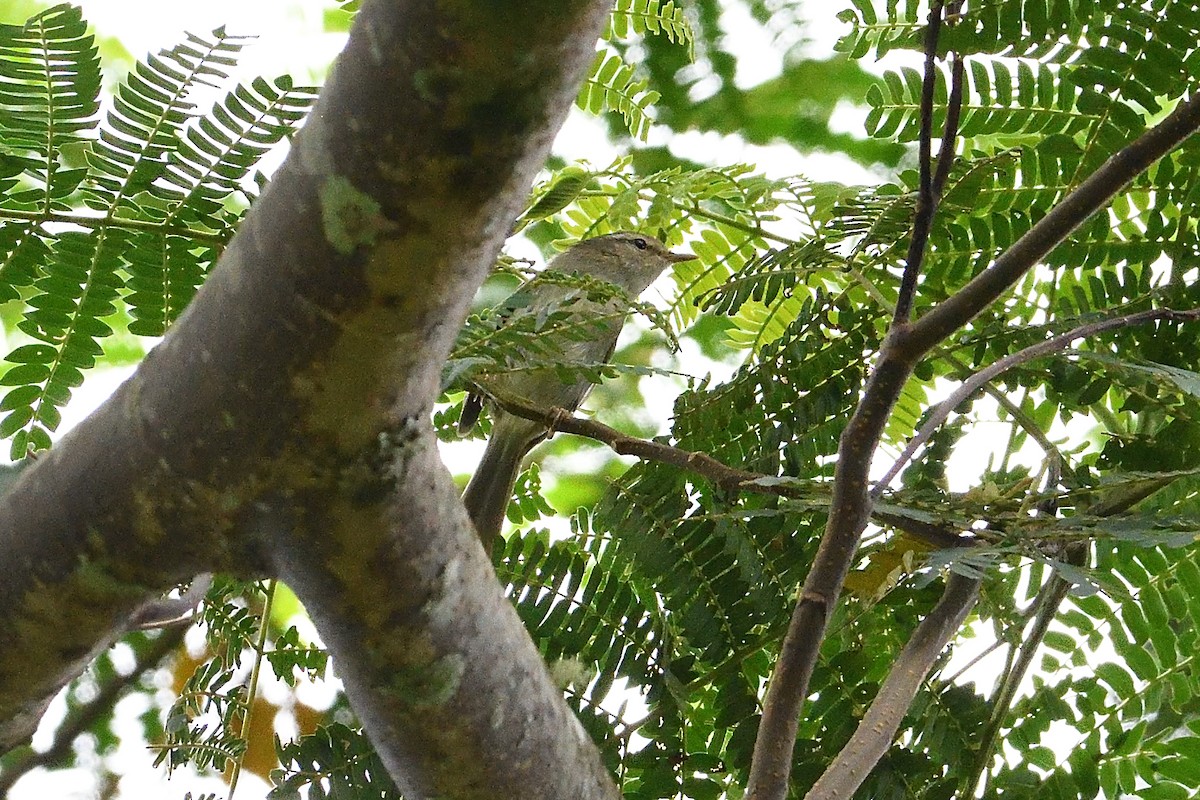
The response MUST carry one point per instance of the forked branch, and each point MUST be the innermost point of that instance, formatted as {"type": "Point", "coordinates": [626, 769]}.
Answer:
{"type": "Point", "coordinates": [997, 368]}
{"type": "Point", "coordinates": [905, 345]}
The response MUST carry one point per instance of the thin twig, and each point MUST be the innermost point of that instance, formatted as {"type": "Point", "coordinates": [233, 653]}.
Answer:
{"type": "Point", "coordinates": [950, 128]}
{"type": "Point", "coordinates": [1049, 600]}
{"type": "Point", "coordinates": [1014, 410]}
{"type": "Point", "coordinates": [1051, 345]}
{"type": "Point", "coordinates": [953, 109]}
{"type": "Point", "coordinates": [978, 657]}
{"type": "Point", "coordinates": [83, 718]}
{"type": "Point", "coordinates": [1072, 211]}
{"type": "Point", "coordinates": [260, 650]}
{"type": "Point", "coordinates": [926, 202]}
{"type": "Point", "coordinates": [696, 210]}
{"type": "Point", "coordinates": [719, 474]}
{"type": "Point", "coordinates": [117, 223]}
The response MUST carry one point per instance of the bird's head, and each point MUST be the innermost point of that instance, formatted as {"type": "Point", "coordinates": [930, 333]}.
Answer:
{"type": "Point", "coordinates": [628, 259]}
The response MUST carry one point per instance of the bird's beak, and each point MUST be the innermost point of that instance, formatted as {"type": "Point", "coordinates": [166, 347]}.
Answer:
{"type": "Point", "coordinates": [675, 258]}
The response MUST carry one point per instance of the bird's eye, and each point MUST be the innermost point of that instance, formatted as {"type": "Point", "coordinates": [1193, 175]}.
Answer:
{"type": "Point", "coordinates": [640, 244]}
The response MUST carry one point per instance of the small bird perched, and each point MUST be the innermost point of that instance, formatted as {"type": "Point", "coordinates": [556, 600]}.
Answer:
{"type": "Point", "coordinates": [630, 261]}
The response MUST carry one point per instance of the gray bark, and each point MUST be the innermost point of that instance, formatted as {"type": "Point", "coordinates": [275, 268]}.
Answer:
{"type": "Point", "coordinates": [282, 427]}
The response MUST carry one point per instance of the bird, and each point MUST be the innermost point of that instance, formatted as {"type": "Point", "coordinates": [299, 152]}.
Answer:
{"type": "Point", "coordinates": [629, 260]}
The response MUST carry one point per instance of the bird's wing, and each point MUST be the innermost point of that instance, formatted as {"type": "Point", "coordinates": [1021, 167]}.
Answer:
{"type": "Point", "coordinates": [472, 408]}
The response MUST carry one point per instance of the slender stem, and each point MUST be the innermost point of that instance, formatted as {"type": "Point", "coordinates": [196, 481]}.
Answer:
{"type": "Point", "coordinates": [1072, 211]}
{"type": "Point", "coordinates": [1051, 345]}
{"type": "Point", "coordinates": [926, 200]}
{"type": "Point", "coordinates": [697, 211]}
{"type": "Point", "coordinates": [980, 656]}
{"type": "Point", "coordinates": [1048, 602]}
{"type": "Point", "coordinates": [120, 223]}
{"type": "Point", "coordinates": [260, 650]}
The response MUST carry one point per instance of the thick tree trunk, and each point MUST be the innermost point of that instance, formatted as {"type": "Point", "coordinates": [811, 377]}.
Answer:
{"type": "Point", "coordinates": [282, 427]}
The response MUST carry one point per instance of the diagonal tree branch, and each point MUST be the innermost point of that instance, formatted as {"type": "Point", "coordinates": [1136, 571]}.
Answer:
{"type": "Point", "coordinates": [905, 345]}
{"type": "Point", "coordinates": [999, 367]}
{"type": "Point", "coordinates": [879, 725]}
{"type": "Point", "coordinates": [83, 718]}
{"type": "Point", "coordinates": [282, 427]}
{"type": "Point", "coordinates": [718, 473]}
{"type": "Point", "coordinates": [1080, 204]}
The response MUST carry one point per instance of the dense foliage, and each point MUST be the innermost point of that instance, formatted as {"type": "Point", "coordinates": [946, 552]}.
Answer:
{"type": "Point", "coordinates": [672, 592]}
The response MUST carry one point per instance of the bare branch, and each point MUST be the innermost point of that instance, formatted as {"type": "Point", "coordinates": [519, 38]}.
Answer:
{"type": "Point", "coordinates": [879, 725]}
{"type": "Point", "coordinates": [926, 200]}
{"type": "Point", "coordinates": [716, 472]}
{"type": "Point", "coordinates": [1085, 200]}
{"type": "Point", "coordinates": [997, 368]}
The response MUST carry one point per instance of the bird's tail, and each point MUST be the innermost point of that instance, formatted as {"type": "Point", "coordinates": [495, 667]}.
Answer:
{"type": "Point", "coordinates": [490, 489]}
